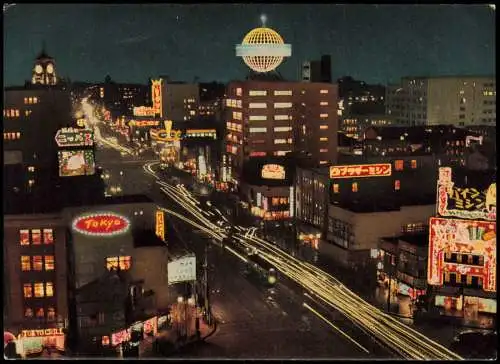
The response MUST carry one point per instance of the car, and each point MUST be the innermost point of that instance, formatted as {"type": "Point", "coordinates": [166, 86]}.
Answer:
{"type": "Point", "coordinates": [476, 344]}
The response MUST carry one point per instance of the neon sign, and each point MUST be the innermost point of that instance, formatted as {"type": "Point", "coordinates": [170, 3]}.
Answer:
{"type": "Point", "coordinates": [101, 224]}
{"type": "Point", "coordinates": [156, 96]}
{"type": "Point", "coordinates": [144, 123]}
{"type": "Point", "coordinates": [465, 203]}
{"type": "Point", "coordinates": [273, 171]}
{"type": "Point", "coordinates": [361, 170]}
{"type": "Point", "coordinates": [160, 224]}
{"type": "Point", "coordinates": [72, 137]}
{"type": "Point", "coordinates": [470, 237]}
{"type": "Point", "coordinates": [144, 111]}
{"type": "Point", "coordinates": [42, 332]}
{"type": "Point", "coordinates": [121, 336]}
{"type": "Point", "coordinates": [166, 135]}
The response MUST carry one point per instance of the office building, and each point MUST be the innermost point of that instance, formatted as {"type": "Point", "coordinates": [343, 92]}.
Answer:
{"type": "Point", "coordinates": [180, 100]}
{"type": "Point", "coordinates": [456, 100]}
{"type": "Point", "coordinates": [317, 71]}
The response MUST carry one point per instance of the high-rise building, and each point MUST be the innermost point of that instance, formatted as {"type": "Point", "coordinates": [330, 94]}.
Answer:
{"type": "Point", "coordinates": [274, 118]}
{"type": "Point", "coordinates": [457, 100]}
{"type": "Point", "coordinates": [317, 71]}
{"type": "Point", "coordinates": [180, 100]}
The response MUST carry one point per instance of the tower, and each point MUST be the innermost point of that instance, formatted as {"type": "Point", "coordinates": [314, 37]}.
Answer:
{"type": "Point", "coordinates": [44, 72]}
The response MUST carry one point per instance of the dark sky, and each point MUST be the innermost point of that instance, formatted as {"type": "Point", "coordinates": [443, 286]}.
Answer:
{"type": "Point", "coordinates": [377, 44]}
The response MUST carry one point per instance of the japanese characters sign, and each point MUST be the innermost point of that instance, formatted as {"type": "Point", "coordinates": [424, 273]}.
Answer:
{"type": "Point", "coordinates": [273, 171]}
{"type": "Point", "coordinates": [144, 123]}
{"type": "Point", "coordinates": [73, 137]}
{"type": "Point", "coordinates": [143, 111]}
{"type": "Point", "coordinates": [160, 224]}
{"type": "Point", "coordinates": [466, 237]}
{"type": "Point", "coordinates": [361, 170]}
{"type": "Point", "coordinates": [182, 270]}
{"type": "Point", "coordinates": [156, 86]}
{"type": "Point", "coordinates": [466, 202]}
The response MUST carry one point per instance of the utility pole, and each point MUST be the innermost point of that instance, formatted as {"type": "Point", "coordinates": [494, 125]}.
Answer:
{"type": "Point", "coordinates": [205, 278]}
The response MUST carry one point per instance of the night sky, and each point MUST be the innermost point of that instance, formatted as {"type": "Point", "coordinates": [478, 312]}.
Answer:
{"type": "Point", "coordinates": [377, 44]}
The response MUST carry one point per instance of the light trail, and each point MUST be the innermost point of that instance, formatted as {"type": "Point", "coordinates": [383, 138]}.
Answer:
{"type": "Point", "coordinates": [397, 336]}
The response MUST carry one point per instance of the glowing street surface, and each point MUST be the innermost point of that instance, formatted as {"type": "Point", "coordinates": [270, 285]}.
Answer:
{"type": "Point", "coordinates": [321, 287]}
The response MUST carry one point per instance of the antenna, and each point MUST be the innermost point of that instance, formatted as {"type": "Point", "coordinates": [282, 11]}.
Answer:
{"type": "Point", "coordinates": [263, 19]}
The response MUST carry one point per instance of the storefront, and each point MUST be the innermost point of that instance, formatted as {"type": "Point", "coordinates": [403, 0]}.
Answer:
{"type": "Point", "coordinates": [31, 342]}
{"type": "Point", "coordinates": [467, 306]}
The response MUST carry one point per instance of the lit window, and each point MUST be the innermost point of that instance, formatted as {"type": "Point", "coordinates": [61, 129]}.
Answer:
{"type": "Point", "coordinates": [282, 128]}
{"type": "Point", "coordinates": [257, 117]}
{"type": "Point", "coordinates": [279, 141]}
{"type": "Point", "coordinates": [257, 105]}
{"type": "Point", "coordinates": [39, 292]}
{"type": "Point", "coordinates": [257, 154]}
{"type": "Point", "coordinates": [25, 263]}
{"type": "Point", "coordinates": [40, 313]}
{"type": "Point", "coordinates": [257, 93]}
{"type": "Point", "coordinates": [258, 130]}
{"type": "Point", "coordinates": [49, 262]}
{"type": "Point", "coordinates": [283, 93]}
{"type": "Point", "coordinates": [17, 113]}
{"type": "Point", "coordinates": [49, 289]}
{"type": "Point", "coordinates": [335, 188]}
{"type": "Point", "coordinates": [27, 290]}
{"type": "Point", "coordinates": [238, 91]}
{"type": "Point", "coordinates": [413, 163]}
{"type": "Point", "coordinates": [397, 185]}
{"type": "Point", "coordinates": [105, 341]}
{"type": "Point", "coordinates": [25, 100]}
{"type": "Point", "coordinates": [282, 105]}
{"type": "Point", "coordinates": [51, 314]}
{"type": "Point", "coordinates": [28, 312]}
{"type": "Point", "coordinates": [30, 100]}
{"type": "Point", "coordinates": [281, 117]}
{"type": "Point", "coordinates": [323, 150]}
{"type": "Point", "coordinates": [323, 91]}
{"type": "Point", "coordinates": [323, 162]}
{"type": "Point", "coordinates": [48, 236]}
{"type": "Point", "coordinates": [323, 139]}
{"type": "Point", "coordinates": [323, 127]}
{"type": "Point", "coordinates": [36, 237]}
{"type": "Point", "coordinates": [124, 263]}
{"type": "Point", "coordinates": [112, 263]}
{"type": "Point", "coordinates": [31, 182]}
{"type": "Point", "coordinates": [355, 187]}
{"type": "Point", "coordinates": [37, 263]}
{"type": "Point", "coordinates": [35, 100]}
{"type": "Point", "coordinates": [398, 165]}
{"type": "Point", "coordinates": [31, 169]}
{"type": "Point", "coordinates": [27, 112]}
{"type": "Point", "coordinates": [324, 103]}
{"type": "Point", "coordinates": [323, 115]}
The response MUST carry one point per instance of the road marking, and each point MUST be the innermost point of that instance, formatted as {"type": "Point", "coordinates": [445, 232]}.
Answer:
{"type": "Point", "coordinates": [335, 327]}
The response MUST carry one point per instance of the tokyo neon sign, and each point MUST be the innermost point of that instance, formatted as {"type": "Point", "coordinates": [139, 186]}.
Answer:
{"type": "Point", "coordinates": [101, 224]}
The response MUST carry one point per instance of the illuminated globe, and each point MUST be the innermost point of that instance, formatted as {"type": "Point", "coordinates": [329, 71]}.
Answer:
{"type": "Point", "coordinates": [263, 49]}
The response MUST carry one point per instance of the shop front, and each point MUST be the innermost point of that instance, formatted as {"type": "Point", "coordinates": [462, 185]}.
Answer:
{"type": "Point", "coordinates": [33, 342]}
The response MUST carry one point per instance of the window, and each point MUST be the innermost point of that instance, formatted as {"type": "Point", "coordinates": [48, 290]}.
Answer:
{"type": "Point", "coordinates": [282, 105]}
{"type": "Point", "coordinates": [397, 185]}
{"type": "Point", "coordinates": [49, 289]}
{"type": "Point", "coordinates": [281, 117]}
{"type": "Point", "coordinates": [27, 290]}
{"type": "Point", "coordinates": [40, 313]}
{"type": "Point", "coordinates": [24, 237]}
{"type": "Point", "coordinates": [257, 105]}
{"type": "Point", "coordinates": [335, 188]}
{"type": "Point", "coordinates": [257, 93]}
{"type": "Point", "coordinates": [257, 117]}
{"type": "Point", "coordinates": [323, 127]}
{"type": "Point", "coordinates": [324, 103]}
{"type": "Point", "coordinates": [48, 236]}
{"type": "Point", "coordinates": [398, 165]}
{"type": "Point", "coordinates": [324, 150]}
{"type": "Point", "coordinates": [36, 237]}
{"type": "Point", "coordinates": [28, 312]}
{"type": "Point", "coordinates": [323, 115]}
{"type": "Point", "coordinates": [323, 91]}
{"type": "Point", "coordinates": [39, 291]}
{"type": "Point", "coordinates": [51, 314]}
{"type": "Point", "coordinates": [238, 91]}
{"type": "Point", "coordinates": [355, 187]}
{"type": "Point", "coordinates": [282, 128]}
{"type": "Point", "coordinates": [413, 163]}
{"type": "Point", "coordinates": [25, 263]}
{"type": "Point", "coordinates": [31, 169]}
{"type": "Point", "coordinates": [37, 263]}
{"type": "Point", "coordinates": [49, 262]}
{"type": "Point", "coordinates": [279, 141]}
{"type": "Point", "coordinates": [124, 263]}
{"type": "Point", "coordinates": [258, 130]}
{"type": "Point", "coordinates": [323, 139]}
{"type": "Point", "coordinates": [283, 93]}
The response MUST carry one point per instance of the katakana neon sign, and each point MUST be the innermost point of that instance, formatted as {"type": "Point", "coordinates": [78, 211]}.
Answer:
{"type": "Point", "coordinates": [361, 170]}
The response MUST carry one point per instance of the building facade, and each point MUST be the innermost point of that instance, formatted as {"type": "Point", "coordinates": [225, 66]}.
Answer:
{"type": "Point", "coordinates": [456, 100]}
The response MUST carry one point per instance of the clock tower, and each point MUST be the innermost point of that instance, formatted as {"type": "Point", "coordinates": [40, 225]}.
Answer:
{"type": "Point", "coordinates": [44, 71]}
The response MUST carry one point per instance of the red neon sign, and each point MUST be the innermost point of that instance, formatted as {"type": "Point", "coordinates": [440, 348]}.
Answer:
{"type": "Point", "coordinates": [105, 224]}
{"type": "Point", "coordinates": [361, 170]}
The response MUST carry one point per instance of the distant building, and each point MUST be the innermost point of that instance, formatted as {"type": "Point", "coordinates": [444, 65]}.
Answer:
{"type": "Point", "coordinates": [456, 100]}
{"type": "Point", "coordinates": [121, 98]}
{"type": "Point", "coordinates": [317, 71]}
{"type": "Point", "coordinates": [180, 100]}
{"type": "Point", "coordinates": [44, 70]}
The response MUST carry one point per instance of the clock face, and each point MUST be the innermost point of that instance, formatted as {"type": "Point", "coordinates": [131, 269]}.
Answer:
{"type": "Point", "coordinates": [38, 69]}
{"type": "Point", "coordinates": [50, 68]}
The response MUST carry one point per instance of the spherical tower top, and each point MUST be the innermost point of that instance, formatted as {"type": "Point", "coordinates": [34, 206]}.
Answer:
{"type": "Point", "coordinates": [263, 49]}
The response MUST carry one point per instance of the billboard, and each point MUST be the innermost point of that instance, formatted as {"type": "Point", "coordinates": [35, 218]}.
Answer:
{"type": "Point", "coordinates": [73, 137]}
{"type": "Point", "coordinates": [464, 202]}
{"type": "Point", "coordinates": [101, 224]}
{"type": "Point", "coordinates": [361, 170]}
{"type": "Point", "coordinates": [182, 270]}
{"type": "Point", "coordinates": [273, 171]}
{"type": "Point", "coordinates": [143, 111]}
{"type": "Point", "coordinates": [156, 96]}
{"type": "Point", "coordinates": [160, 224]}
{"type": "Point", "coordinates": [76, 163]}
{"type": "Point", "coordinates": [144, 123]}
{"type": "Point", "coordinates": [469, 237]}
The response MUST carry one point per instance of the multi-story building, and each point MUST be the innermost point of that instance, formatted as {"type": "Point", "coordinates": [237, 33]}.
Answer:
{"type": "Point", "coordinates": [180, 100]}
{"type": "Point", "coordinates": [275, 118]}
{"type": "Point", "coordinates": [317, 71]}
{"type": "Point", "coordinates": [121, 98]}
{"type": "Point", "coordinates": [456, 100]}
{"type": "Point", "coordinates": [44, 71]}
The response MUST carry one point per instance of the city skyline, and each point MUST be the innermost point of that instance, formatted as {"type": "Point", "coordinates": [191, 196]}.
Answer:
{"type": "Point", "coordinates": [152, 40]}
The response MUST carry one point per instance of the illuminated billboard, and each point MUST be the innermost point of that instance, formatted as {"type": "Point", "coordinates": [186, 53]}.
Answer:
{"type": "Point", "coordinates": [144, 123]}
{"type": "Point", "coordinates": [76, 163]}
{"type": "Point", "coordinates": [160, 224]}
{"type": "Point", "coordinates": [103, 224]}
{"type": "Point", "coordinates": [73, 137]}
{"type": "Point", "coordinates": [182, 270]}
{"type": "Point", "coordinates": [467, 237]}
{"type": "Point", "coordinates": [273, 171]}
{"type": "Point", "coordinates": [466, 202]}
{"type": "Point", "coordinates": [361, 170]}
{"type": "Point", "coordinates": [143, 111]}
{"type": "Point", "coordinates": [156, 96]}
